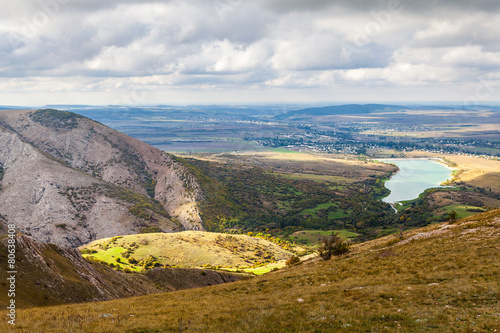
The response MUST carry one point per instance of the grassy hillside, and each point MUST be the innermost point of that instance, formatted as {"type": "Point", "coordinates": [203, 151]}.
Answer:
{"type": "Point", "coordinates": [441, 278]}
{"type": "Point", "coordinates": [186, 249]}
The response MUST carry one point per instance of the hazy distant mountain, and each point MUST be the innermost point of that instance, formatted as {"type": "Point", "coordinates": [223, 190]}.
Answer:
{"type": "Point", "coordinates": [69, 180]}
{"type": "Point", "coordinates": [342, 110]}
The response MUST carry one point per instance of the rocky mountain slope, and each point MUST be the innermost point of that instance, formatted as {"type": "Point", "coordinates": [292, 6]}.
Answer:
{"type": "Point", "coordinates": [49, 275]}
{"type": "Point", "coordinates": [69, 180]}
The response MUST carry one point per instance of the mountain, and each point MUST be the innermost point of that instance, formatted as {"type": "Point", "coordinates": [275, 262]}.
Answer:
{"type": "Point", "coordinates": [68, 180]}
{"type": "Point", "coordinates": [441, 278]}
{"type": "Point", "coordinates": [48, 274]}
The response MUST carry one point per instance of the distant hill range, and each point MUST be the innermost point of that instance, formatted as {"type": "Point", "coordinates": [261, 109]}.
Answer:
{"type": "Point", "coordinates": [342, 110]}
{"type": "Point", "coordinates": [360, 109]}
{"type": "Point", "coordinates": [68, 180]}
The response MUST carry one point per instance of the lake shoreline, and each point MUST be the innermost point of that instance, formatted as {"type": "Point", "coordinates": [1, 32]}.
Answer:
{"type": "Point", "coordinates": [411, 180]}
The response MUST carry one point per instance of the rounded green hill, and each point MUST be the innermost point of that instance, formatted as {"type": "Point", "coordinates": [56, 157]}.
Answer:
{"type": "Point", "coordinates": [186, 249]}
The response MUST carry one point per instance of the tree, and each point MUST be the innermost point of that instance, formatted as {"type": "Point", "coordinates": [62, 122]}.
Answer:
{"type": "Point", "coordinates": [452, 216]}
{"type": "Point", "coordinates": [332, 245]}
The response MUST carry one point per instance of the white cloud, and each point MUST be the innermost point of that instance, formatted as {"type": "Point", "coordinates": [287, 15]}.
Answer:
{"type": "Point", "coordinates": [80, 47]}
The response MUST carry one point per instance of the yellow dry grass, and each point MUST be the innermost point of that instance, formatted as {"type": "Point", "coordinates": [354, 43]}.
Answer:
{"type": "Point", "coordinates": [442, 278]}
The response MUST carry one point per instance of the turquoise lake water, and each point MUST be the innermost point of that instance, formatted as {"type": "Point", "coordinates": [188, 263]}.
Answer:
{"type": "Point", "coordinates": [414, 177]}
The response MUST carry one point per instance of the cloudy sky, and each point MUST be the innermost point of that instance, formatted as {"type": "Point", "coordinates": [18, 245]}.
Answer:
{"type": "Point", "coordinates": [244, 51]}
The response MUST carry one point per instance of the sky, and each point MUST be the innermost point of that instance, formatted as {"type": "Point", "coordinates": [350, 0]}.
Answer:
{"type": "Point", "coordinates": [144, 52]}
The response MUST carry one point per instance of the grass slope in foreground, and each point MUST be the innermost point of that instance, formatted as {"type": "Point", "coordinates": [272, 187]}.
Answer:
{"type": "Point", "coordinates": [186, 249]}
{"type": "Point", "coordinates": [441, 278]}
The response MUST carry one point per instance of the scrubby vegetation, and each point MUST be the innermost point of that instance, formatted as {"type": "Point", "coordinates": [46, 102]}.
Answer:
{"type": "Point", "coordinates": [142, 206]}
{"type": "Point", "coordinates": [251, 198]}
{"type": "Point", "coordinates": [150, 230]}
{"type": "Point", "coordinates": [56, 119]}
{"type": "Point", "coordinates": [134, 162]}
{"type": "Point", "coordinates": [218, 209]}
{"type": "Point", "coordinates": [148, 209]}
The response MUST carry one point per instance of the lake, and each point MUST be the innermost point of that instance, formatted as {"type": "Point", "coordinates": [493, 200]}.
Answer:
{"type": "Point", "coordinates": [414, 177]}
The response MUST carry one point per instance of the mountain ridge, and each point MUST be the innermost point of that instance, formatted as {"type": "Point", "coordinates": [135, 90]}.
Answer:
{"type": "Point", "coordinates": [63, 171]}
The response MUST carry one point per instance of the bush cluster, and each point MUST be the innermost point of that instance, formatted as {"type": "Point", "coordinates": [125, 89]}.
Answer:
{"type": "Point", "coordinates": [332, 245]}
{"type": "Point", "coordinates": [293, 261]}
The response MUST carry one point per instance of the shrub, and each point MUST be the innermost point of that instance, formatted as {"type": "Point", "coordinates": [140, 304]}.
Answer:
{"type": "Point", "coordinates": [126, 254]}
{"type": "Point", "coordinates": [132, 261]}
{"type": "Point", "coordinates": [87, 251]}
{"type": "Point", "coordinates": [400, 235]}
{"type": "Point", "coordinates": [113, 240]}
{"type": "Point", "coordinates": [332, 245]}
{"type": "Point", "coordinates": [149, 262]}
{"type": "Point", "coordinates": [150, 230]}
{"type": "Point", "coordinates": [293, 261]}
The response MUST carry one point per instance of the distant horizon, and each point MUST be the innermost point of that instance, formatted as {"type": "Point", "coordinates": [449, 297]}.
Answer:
{"type": "Point", "coordinates": [222, 104]}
